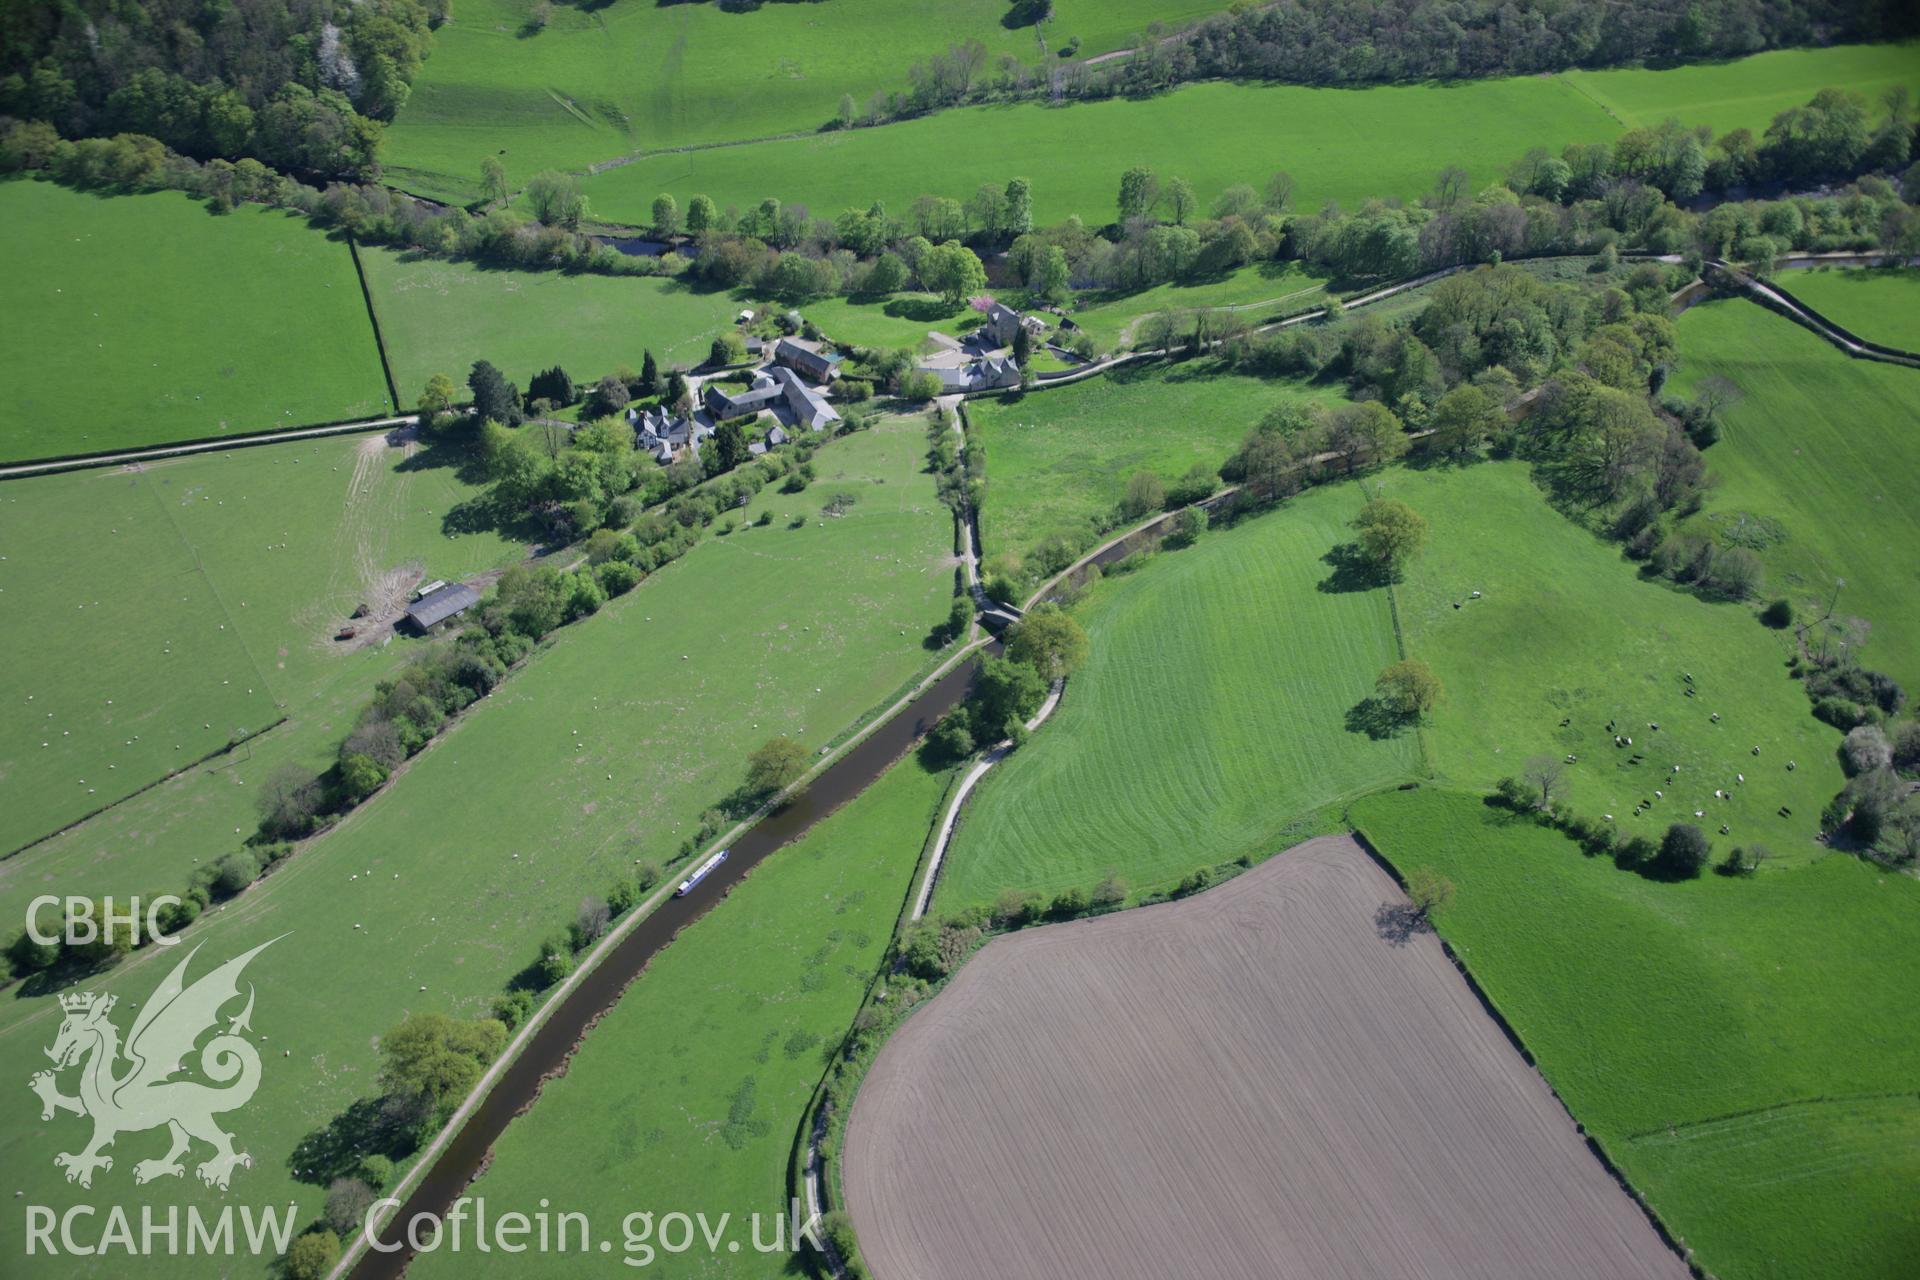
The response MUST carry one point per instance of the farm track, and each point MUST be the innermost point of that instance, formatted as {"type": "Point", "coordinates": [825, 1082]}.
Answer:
{"type": "Point", "coordinates": [132, 457]}
{"type": "Point", "coordinates": [1775, 297]}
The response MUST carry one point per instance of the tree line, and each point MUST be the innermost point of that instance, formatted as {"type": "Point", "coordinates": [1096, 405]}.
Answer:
{"type": "Point", "coordinates": [304, 87]}
{"type": "Point", "coordinates": [1628, 194]}
{"type": "Point", "coordinates": [1327, 42]}
{"type": "Point", "coordinates": [373, 214]}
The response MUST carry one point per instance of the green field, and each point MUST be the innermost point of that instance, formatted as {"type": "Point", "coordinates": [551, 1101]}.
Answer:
{"type": "Point", "coordinates": [440, 317]}
{"type": "Point", "coordinates": [1057, 459]}
{"type": "Point", "coordinates": [1879, 304]}
{"type": "Point", "coordinates": [1210, 715]}
{"type": "Point", "coordinates": [636, 76]}
{"type": "Point", "coordinates": [755, 997]}
{"type": "Point", "coordinates": [152, 321]}
{"type": "Point", "coordinates": [1748, 92]}
{"type": "Point", "coordinates": [154, 614]}
{"type": "Point", "coordinates": [1344, 145]}
{"type": "Point", "coordinates": [1566, 630]}
{"type": "Point", "coordinates": [1257, 294]}
{"type": "Point", "coordinates": [1339, 144]}
{"type": "Point", "coordinates": [1744, 1049]}
{"type": "Point", "coordinates": [604, 749]}
{"type": "Point", "coordinates": [1815, 464]}
{"type": "Point", "coordinates": [899, 320]}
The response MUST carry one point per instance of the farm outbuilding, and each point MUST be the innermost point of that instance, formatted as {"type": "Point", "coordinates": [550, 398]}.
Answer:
{"type": "Point", "coordinates": [430, 610]}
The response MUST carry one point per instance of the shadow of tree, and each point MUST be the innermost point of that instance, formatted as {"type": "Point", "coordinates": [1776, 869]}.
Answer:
{"type": "Point", "coordinates": [337, 1149]}
{"type": "Point", "coordinates": [1377, 719]}
{"type": "Point", "coordinates": [60, 976]}
{"type": "Point", "coordinates": [1352, 571]}
{"type": "Point", "coordinates": [921, 310]}
{"type": "Point", "coordinates": [1398, 923]}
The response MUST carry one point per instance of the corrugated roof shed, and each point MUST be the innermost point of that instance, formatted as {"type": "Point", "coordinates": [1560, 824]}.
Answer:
{"type": "Point", "coordinates": [432, 610]}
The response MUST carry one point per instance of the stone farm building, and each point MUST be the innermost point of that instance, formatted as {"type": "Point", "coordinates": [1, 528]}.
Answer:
{"type": "Point", "coordinates": [436, 607]}
{"type": "Point", "coordinates": [807, 359]}
{"type": "Point", "coordinates": [661, 434]}
{"type": "Point", "coordinates": [1003, 323]}
{"type": "Point", "coordinates": [991, 374]}
{"type": "Point", "coordinates": [778, 389]}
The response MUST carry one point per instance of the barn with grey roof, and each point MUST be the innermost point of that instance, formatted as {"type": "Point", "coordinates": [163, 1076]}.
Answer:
{"type": "Point", "coordinates": [436, 607]}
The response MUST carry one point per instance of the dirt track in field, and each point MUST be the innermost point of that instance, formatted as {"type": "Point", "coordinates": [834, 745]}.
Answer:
{"type": "Point", "coordinates": [1267, 1080]}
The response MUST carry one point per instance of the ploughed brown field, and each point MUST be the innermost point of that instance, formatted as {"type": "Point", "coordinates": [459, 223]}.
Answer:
{"type": "Point", "coordinates": [1271, 1079]}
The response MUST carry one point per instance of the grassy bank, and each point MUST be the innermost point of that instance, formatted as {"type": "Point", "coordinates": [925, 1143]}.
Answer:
{"type": "Point", "coordinates": [1879, 304]}
{"type": "Point", "coordinates": [708, 1063]}
{"type": "Point", "coordinates": [1256, 294]}
{"type": "Point", "coordinates": [1339, 144]}
{"type": "Point", "coordinates": [1745, 93]}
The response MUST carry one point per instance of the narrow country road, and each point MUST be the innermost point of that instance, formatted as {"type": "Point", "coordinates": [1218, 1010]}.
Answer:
{"type": "Point", "coordinates": [21, 470]}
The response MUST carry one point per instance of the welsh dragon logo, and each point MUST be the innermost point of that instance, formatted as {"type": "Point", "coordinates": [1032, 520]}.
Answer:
{"type": "Point", "coordinates": [142, 1094]}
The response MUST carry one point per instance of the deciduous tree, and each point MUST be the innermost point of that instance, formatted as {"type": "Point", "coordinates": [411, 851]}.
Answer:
{"type": "Point", "coordinates": [666, 216]}
{"type": "Point", "coordinates": [436, 1058]}
{"type": "Point", "coordinates": [1428, 890]}
{"type": "Point", "coordinates": [775, 764]}
{"type": "Point", "coordinates": [1408, 687]}
{"type": "Point", "coordinates": [493, 179]}
{"type": "Point", "coordinates": [555, 200]}
{"type": "Point", "coordinates": [1390, 532]}
{"type": "Point", "coordinates": [1544, 775]}
{"type": "Point", "coordinates": [1049, 641]}
{"type": "Point", "coordinates": [1139, 192]}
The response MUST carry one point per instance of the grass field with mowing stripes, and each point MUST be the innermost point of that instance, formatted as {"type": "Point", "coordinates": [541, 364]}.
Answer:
{"type": "Point", "coordinates": [1209, 716]}
{"type": "Point", "coordinates": [1742, 1048]}
{"type": "Point", "coordinates": [1746, 93]}
{"type": "Point", "coordinates": [1815, 465]}
{"type": "Point", "coordinates": [1339, 144]}
{"type": "Point", "coordinates": [151, 320]}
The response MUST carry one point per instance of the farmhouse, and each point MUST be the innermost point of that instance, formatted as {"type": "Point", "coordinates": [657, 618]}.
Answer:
{"type": "Point", "coordinates": [806, 358]}
{"type": "Point", "coordinates": [436, 607]}
{"type": "Point", "coordinates": [775, 388]}
{"type": "Point", "coordinates": [1003, 323]}
{"type": "Point", "coordinates": [660, 433]}
{"type": "Point", "coordinates": [982, 375]}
